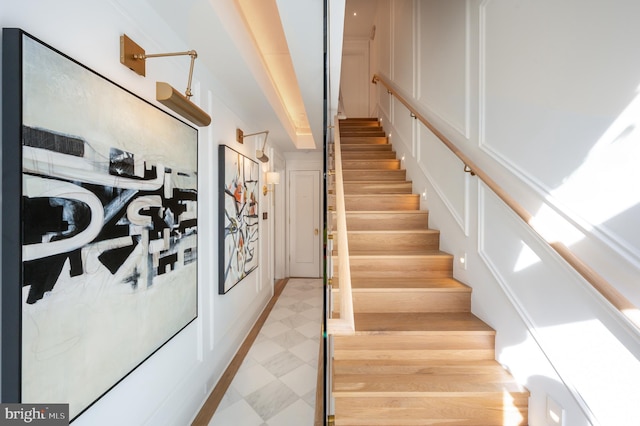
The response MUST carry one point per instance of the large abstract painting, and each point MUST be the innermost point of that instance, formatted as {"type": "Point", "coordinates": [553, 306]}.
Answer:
{"type": "Point", "coordinates": [99, 228]}
{"type": "Point", "coordinates": [238, 213]}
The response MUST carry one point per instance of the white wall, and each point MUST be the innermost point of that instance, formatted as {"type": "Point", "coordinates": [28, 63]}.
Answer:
{"type": "Point", "coordinates": [168, 388]}
{"type": "Point", "coordinates": [544, 97]}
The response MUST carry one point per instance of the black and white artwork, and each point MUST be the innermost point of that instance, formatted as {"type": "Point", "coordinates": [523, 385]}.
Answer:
{"type": "Point", "coordinates": [107, 228]}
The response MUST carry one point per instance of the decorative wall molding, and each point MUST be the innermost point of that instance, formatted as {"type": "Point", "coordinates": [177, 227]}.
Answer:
{"type": "Point", "coordinates": [482, 83]}
{"type": "Point", "coordinates": [402, 124]}
{"type": "Point", "coordinates": [599, 232]}
{"type": "Point", "coordinates": [551, 312]}
{"type": "Point", "coordinates": [465, 128]}
{"type": "Point", "coordinates": [460, 217]}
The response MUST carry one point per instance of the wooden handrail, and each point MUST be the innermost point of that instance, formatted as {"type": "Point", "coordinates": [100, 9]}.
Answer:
{"type": "Point", "coordinates": [599, 283]}
{"type": "Point", "coordinates": [346, 323]}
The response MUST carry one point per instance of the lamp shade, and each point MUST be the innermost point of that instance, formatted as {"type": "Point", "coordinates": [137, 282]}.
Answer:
{"type": "Point", "coordinates": [273, 178]}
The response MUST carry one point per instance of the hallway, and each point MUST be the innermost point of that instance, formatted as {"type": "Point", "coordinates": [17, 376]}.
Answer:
{"type": "Point", "coordinates": [276, 383]}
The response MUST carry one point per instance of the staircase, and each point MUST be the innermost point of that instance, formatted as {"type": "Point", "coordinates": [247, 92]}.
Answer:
{"type": "Point", "coordinates": [418, 356]}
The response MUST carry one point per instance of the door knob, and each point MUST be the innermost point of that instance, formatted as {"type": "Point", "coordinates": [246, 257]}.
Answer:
{"type": "Point", "coordinates": [315, 231]}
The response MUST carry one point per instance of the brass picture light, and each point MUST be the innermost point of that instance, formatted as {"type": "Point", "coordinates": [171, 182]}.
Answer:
{"type": "Point", "coordinates": [134, 57]}
{"type": "Point", "coordinates": [260, 155]}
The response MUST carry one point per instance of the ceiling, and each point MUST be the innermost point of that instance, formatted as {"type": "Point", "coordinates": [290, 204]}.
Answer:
{"type": "Point", "coordinates": [266, 60]}
{"type": "Point", "coordinates": [359, 18]}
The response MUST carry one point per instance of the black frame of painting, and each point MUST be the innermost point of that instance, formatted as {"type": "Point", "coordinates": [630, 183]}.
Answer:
{"type": "Point", "coordinates": [164, 266]}
{"type": "Point", "coordinates": [245, 223]}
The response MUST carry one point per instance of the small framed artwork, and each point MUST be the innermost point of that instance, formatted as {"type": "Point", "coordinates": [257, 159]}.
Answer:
{"type": "Point", "coordinates": [238, 177]}
{"type": "Point", "coordinates": [99, 220]}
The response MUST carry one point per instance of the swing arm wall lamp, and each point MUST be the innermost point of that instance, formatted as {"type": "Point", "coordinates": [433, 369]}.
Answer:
{"type": "Point", "coordinates": [260, 155]}
{"type": "Point", "coordinates": [134, 57]}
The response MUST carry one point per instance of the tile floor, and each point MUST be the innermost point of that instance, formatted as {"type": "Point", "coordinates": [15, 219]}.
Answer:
{"type": "Point", "coordinates": [276, 383]}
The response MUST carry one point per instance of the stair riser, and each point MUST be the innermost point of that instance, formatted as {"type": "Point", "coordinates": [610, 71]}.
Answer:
{"type": "Point", "coordinates": [363, 140]}
{"type": "Point", "coordinates": [369, 175]}
{"type": "Point", "coordinates": [348, 165]}
{"type": "Point", "coordinates": [360, 121]}
{"type": "Point", "coordinates": [361, 129]}
{"type": "Point", "coordinates": [351, 188]}
{"type": "Point", "coordinates": [398, 267]}
{"type": "Point", "coordinates": [441, 346]}
{"type": "Point", "coordinates": [367, 155]}
{"type": "Point", "coordinates": [361, 134]}
{"type": "Point", "coordinates": [359, 124]}
{"type": "Point", "coordinates": [360, 148]}
{"type": "Point", "coordinates": [406, 301]}
{"type": "Point", "coordinates": [486, 411]}
{"type": "Point", "coordinates": [390, 242]}
{"type": "Point", "coordinates": [342, 368]}
{"type": "Point", "coordinates": [358, 221]}
{"type": "Point", "coordinates": [382, 202]}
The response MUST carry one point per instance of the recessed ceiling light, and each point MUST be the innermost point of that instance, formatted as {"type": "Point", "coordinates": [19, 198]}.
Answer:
{"type": "Point", "coordinates": [355, 13]}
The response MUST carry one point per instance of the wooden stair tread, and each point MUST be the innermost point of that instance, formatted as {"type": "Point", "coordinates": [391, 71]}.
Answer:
{"type": "Point", "coordinates": [415, 366]}
{"type": "Point", "coordinates": [390, 233]}
{"type": "Point", "coordinates": [353, 133]}
{"type": "Point", "coordinates": [378, 187]}
{"type": "Point", "coordinates": [389, 212]}
{"type": "Point", "coordinates": [367, 128]}
{"type": "Point", "coordinates": [367, 170]}
{"type": "Point", "coordinates": [370, 164]}
{"type": "Point", "coordinates": [359, 147]}
{"type": "Point", "coordinates": [369, 160]}
{"type": "Point", "coordinates": [408, 254]}
{"type": "Point", "coordinates": [380, 196]}
{"type": "Point", "coordinates": [420, 323]}
{"type": "Point", "coordinates": [378, 182]}
{"type": "Point", "coordinates": [365, 175]}
{"type": "Point", "coordinates": [398, 284]}
{"type": "Point", "coordinates": [446, 386]}
{"type": "Point", "coordinates": [368, 155]}
{"type": "Point", "coordinates": [401, 231]}
{"type": "Point", "coordinates": [363, 140]}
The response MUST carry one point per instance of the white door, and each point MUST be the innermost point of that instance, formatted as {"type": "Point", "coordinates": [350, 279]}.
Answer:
{"type": "Point", "coordinates": [355, 78]}
{"type": "Point", "coordinates": [304, 223]}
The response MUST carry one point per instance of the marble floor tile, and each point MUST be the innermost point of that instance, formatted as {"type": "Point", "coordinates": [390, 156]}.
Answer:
{"type": "Point", "coordinates": [300, 307]}
{"type": "Point", "coordinates": [272, 398]}
{"type": "Point", "coordinates": [296, 320]}
{"type": "Point", "coordinates": [275, 385]}
{"type": "Point", "coordinates": [289, 339]}
{"type": "Point", "coordinates": [282, 363]}
{"type": "Point", "coordinates": [310, 330]}
{"type": "Point", "coordinates": [314, 314]}
{"type": "Point", "coordinates": [239, 413]}
{"type": "Point", "coordinates": [302, 380]}
{"type": "Point", "coordinates": [230, 397]}
{"type": "Point", "coordinates": [306, 351]}
{"type": "Point", "coordinates": [297, 414]}
{"type": "Point", "coordinates": [264, 350]}
{"type": "Point", "coordinates": [273, 329]}
{"type": "Point", "coordinates": [279, 313]}
{"type": "Point", "coordinates": [310, 398]}
{"type": "Point", "coordinates": [248, 380]}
